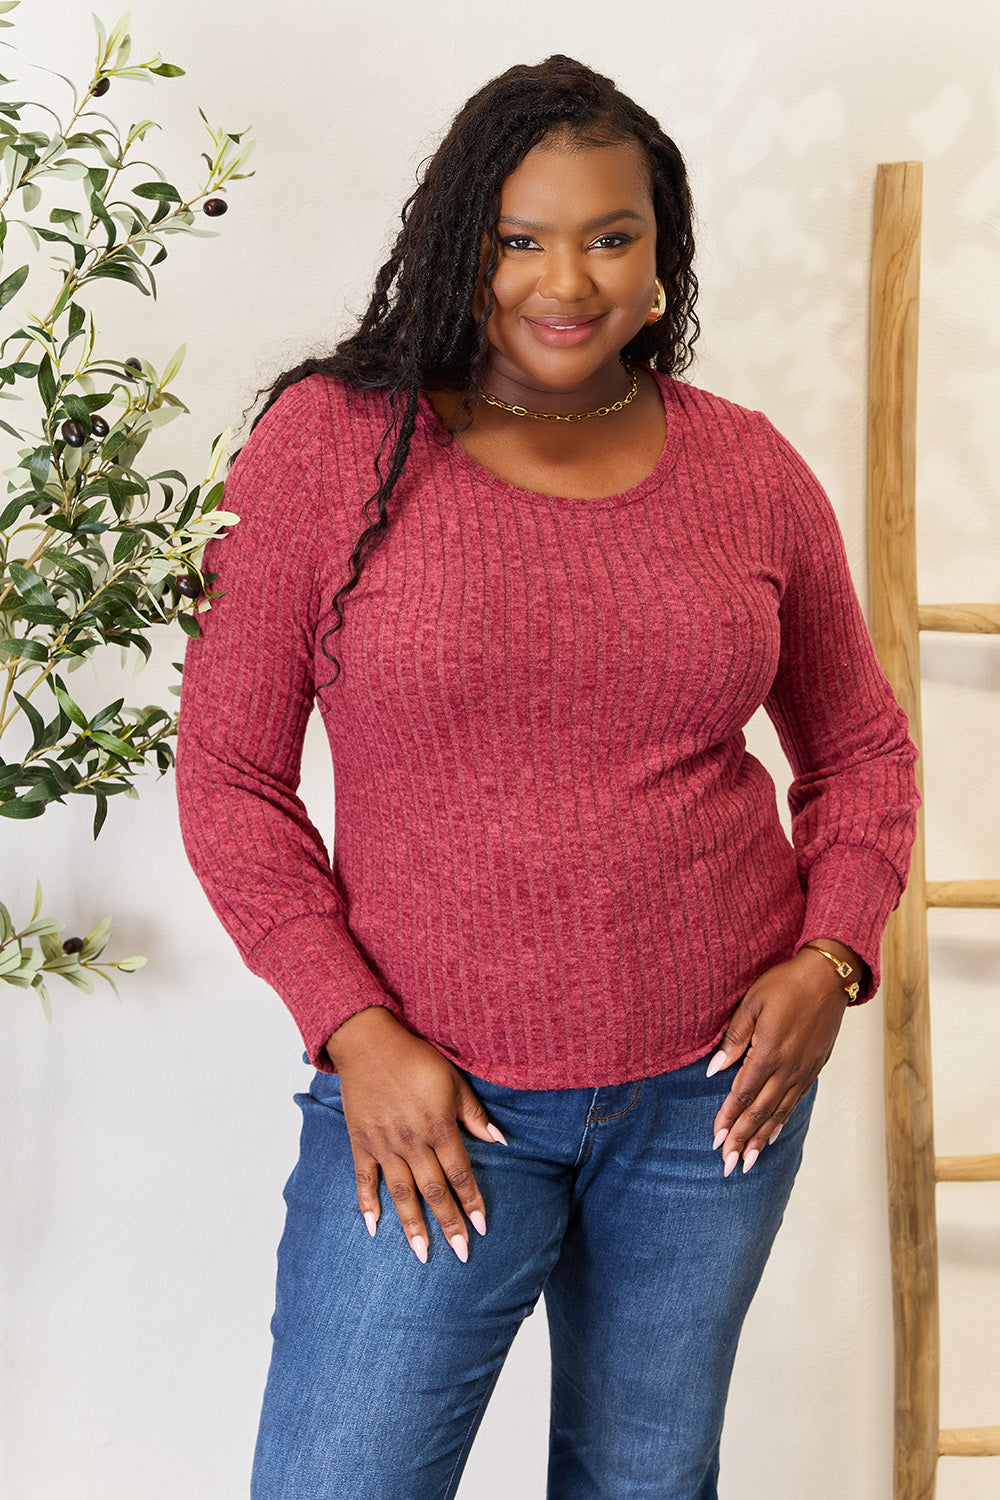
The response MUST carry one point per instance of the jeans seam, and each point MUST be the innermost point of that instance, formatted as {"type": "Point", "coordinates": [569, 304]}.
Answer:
{"type": "Point", "coordinates": [588, 1134]}
{"type": "Point", "coordinates": [463, 1452]}
{"type": "Point", "coordinates": [599, 1119]}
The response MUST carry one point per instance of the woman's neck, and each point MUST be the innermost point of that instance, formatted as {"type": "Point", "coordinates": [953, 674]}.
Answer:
{"type": "Point", "coordinates": [509, 384]}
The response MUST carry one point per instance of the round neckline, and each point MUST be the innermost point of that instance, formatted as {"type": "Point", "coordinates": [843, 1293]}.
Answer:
{"type": "Point", "coordinates": [465, 460]}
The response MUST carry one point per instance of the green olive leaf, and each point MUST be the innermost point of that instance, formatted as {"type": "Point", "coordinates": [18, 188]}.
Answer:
{"type": "Point", "coordinates": [12, 284]}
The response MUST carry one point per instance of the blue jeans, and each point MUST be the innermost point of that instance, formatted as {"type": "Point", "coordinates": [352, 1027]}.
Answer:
{"type": "Point", "coordinates": [610, 1200]}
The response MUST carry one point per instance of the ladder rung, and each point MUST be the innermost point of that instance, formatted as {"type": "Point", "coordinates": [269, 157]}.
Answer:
{"type": "Point", "coordinates": [978, 893]}
{"type": "Point", "coordinates": [972, 619]}
{"type": "Point", "coordinates": [969, 1442]}
{"type": "Point", "coordinates": [967, 1168]}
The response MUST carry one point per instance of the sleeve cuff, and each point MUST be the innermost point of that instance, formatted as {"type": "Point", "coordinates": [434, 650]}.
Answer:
{"type": "Point", "coordinates": [850, 895]}
{"type": "Point", "coordinates": [316, 968]}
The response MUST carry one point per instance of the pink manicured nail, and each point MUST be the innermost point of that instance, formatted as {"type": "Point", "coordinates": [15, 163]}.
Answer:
{"type": "Point", "coordinates": [371, 1221]}
{"type": "Point", "coordinates": [718, 1062]}
{"type": "Point", "coordinates": [419, 1247]}
{"type": "Point", "coordinates": [460, 1245]}
{"type": "Point", "coordinates": [731, 1161]}
{"type": "Point", "coordinates": [478, 1220]}
{"type": "Point", "coordinates": [496, 1135]}
{"type": "Point", "coordinates": [749, 1160]}
{"type": "Point", "coordinates": [719, 1139]}
{"type": "Point", "coordinates": [772, 1138]}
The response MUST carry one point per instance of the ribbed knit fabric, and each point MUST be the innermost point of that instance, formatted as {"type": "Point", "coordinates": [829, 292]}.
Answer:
{"type": "Point", "coordinates": [553, 857]}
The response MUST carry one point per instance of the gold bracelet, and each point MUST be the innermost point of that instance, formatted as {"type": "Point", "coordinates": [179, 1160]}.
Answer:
{"type": "Point", "coordinates": [843, 968]}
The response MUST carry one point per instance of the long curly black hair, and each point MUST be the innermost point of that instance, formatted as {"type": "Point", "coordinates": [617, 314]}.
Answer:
{"type": "Point", "coordinates": [419, 331]}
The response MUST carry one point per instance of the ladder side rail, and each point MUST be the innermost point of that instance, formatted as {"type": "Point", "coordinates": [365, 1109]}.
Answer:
{"type": "Point", "coordinates": [895, 284]}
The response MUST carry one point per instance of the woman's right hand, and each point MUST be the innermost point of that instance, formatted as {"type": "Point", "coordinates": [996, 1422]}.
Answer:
{"type": "Point", "coordinates": [403, 1102]}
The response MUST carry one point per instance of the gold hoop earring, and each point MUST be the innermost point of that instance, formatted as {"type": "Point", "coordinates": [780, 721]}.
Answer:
{"type": "Point", "coordinates": [660, 305]}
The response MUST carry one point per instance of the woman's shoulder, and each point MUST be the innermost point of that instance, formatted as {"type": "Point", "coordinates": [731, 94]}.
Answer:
{"type": "Point", "coordinates": [319, 404]}
{"type": "Point", "coordinates": [311, 437]}
{"type": "Point", "coordinates": [714, 421]}
{"type": "Point", "coordinates": [704, 406]}
{"type": "Point", "coordinates": [317, 426]}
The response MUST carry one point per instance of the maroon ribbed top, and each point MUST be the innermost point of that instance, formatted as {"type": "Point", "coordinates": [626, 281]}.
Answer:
{"type": "Point", "coordinates": [553, 856]}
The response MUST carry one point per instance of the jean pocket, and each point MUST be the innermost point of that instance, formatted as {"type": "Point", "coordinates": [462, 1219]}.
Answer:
{"type": "Point", "coordinates": [501, 1092]}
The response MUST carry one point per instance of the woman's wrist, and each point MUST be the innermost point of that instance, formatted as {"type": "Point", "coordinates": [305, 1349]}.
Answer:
{"type": "Point", "coordinates": [840, 951]}
{"type": "Point", "coordinates": [844, 965]}
{"type": "Point", "coordinates": [365, 1029]}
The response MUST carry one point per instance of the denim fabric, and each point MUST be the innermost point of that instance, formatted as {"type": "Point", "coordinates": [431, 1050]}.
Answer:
{"type": "Point", "coordinates": [610, 1200]}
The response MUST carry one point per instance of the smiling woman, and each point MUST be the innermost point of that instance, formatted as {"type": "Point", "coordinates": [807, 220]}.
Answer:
{"type": "Point", "coordinates": [574, 283]}
{"type": "Point", "coordinates": [577, 271]}
{"type": "Point", "coordinates": [565, 953]}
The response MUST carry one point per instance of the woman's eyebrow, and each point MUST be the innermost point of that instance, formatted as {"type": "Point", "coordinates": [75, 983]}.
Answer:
{"type": "Point", "coordinates": [599, 223]}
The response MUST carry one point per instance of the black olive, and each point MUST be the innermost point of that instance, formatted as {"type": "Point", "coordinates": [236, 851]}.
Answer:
{"type": "Point", "coordinates": [99, 427]}
{"type": "Point", "coordinates": [73, 945]}
{"type": "Point", "coordinates": [74, 432]}
{"type": "Point", "coordinates": [215, 207]}
{"type": "Point", "coordinates": [133, 364]}
{"type": "Point", "coordinates": [101, 87]}
{"type": "Point", "coordinates": [189, 587]}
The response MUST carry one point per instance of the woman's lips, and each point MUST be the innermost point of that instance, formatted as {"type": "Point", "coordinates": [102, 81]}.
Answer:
{"type": "Point", "coordinates": [559, 332]}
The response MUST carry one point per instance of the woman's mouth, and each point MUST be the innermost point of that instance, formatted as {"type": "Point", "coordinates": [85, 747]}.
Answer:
{"type": "Point", "coordinates": [560, 332]}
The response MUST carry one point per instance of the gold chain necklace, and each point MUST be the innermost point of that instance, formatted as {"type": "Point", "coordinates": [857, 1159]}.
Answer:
{"type": "Point", "coordinates": [575, 416]}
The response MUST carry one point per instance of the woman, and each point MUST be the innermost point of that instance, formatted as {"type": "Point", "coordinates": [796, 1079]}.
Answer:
{"type": "Point", "coordinates": [565, 951]}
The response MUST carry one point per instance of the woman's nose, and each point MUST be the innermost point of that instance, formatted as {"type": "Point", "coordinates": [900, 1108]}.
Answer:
{"type": "Point", "coordinates": [564, 277]}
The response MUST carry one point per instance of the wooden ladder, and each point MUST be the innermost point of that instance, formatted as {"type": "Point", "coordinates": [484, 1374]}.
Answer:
{"type": "Point", "coordinates": [896, 619]}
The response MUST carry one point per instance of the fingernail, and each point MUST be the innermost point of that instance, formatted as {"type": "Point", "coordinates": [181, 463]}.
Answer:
{"type": "Point", "coordinates": [419, 1247]}
{"type": "Point", "coordinates": [731, 1161]}
{"type": "Point", "coordinates": [717, 1064]}
{"type": "Point", "coordinates": [749, 1160]}
{"type": "Point", "coordinates": [772, 1138]}
{"type": "Point", "coordinates": [478, 1220]}
{"type": "Point", "coordinates": [371, 1221]}
{"type": "Point", "coordinates": [495, 1134]}
{"type": "Point", "coordinates": [719, 1139]}
{"type": "Point", "coordinates": [460, 1245]}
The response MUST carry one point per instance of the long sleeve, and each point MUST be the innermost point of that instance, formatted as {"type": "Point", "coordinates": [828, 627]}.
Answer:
{"type": "Point", "coordinates": [854, 797]}
{"type": "Point", "coordinates": [247, 693]}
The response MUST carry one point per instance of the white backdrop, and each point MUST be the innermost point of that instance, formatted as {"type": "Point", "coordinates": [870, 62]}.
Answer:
{"type": "Point", "coordinates": [144, 1146]}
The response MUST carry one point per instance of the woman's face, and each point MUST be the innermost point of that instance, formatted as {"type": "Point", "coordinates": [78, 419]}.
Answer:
{"type": "Point", "coordinates": [575, 279]}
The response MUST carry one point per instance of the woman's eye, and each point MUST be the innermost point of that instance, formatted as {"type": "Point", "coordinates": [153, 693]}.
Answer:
{"type": "Point", "coordinates": [611, 241]}
{"type": "Point", "coordinates": [517, 241]}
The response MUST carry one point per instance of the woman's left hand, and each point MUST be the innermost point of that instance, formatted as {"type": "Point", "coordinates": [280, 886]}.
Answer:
{"type": "Point", "coordinates": [784, 1029]}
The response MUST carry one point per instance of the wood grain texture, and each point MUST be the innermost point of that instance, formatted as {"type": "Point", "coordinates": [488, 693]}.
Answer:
{"type": "Point", "coordinates": [978, 894]}
{"type": "Point", "coordinates": [968, 1168]}
{"type": "Point", "coordinates": [969, 619]}
{"type": "Point", "coordinates": [969, 1442]}
{"type": "Point", "coordinates": [895, 287]}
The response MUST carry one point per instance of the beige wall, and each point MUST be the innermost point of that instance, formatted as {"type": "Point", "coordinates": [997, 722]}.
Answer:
{"type": "Point", "coordinates": [145, 1145]}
